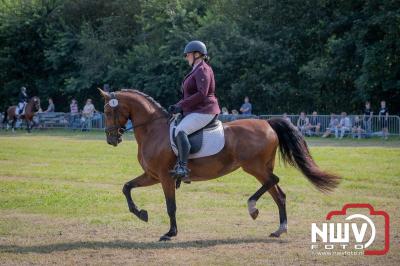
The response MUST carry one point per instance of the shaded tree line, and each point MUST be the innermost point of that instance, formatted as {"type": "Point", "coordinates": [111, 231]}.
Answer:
{"type": "Point", "coordinates": [287, 56]}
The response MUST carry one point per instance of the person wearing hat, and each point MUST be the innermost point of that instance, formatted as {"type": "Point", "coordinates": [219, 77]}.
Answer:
{"type": "Point", "coordinates": [199, 104]}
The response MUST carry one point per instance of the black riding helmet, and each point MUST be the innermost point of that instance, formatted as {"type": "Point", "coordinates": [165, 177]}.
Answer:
{"type": "Point", "coordinates": [195, 46]}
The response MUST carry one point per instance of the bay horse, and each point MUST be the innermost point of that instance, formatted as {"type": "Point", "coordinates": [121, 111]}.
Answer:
{"type": "Point", "coordinates": [31, 108]}
{"type": "Point", "coordinates": [249, 143]}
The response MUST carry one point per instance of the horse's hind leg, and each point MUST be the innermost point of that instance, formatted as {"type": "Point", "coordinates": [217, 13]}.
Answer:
{"type": "Point", "coordinates": [280, 199]}
{"type": "Point", "coordinates": [269, 181]}
{"type": "Point", "coordinates": [251, 202]}
{"type": "Point", "coordinates": [141, 181]}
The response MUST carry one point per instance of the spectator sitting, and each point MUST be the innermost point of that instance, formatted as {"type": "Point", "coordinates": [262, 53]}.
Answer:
{"type": "Point", "coordinates": [284, 116]}
{"type": "Point", "coordinates": [314, 124]}
{"type": "Point", "coordinates": [87, 115]}
{"type": "Point", "coordinates": [235, 112]}
{"type": "Point", "coordinates": [332, 125]}
{"type": "Point", "coordinates": [51, 107]}
{"type": "Point", "coordinates": [344, 126]}
{"type": "Point", "coordinates": [224, 111]}
{"type": "Point", "coordinates": [302, 123]}
{"type": "Point", "coordinates": [246, 106]}
{"type": "Point", "coordinates": [357, 127]}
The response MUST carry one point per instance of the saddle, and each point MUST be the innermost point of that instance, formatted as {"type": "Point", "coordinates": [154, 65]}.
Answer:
{"type": "Point", "coordinates": [206, 141]}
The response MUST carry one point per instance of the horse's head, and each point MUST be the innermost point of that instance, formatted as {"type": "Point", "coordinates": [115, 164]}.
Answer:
{"type": "Point", "coordinates": [35, 103]}
{"type": "Point", "coordinates": [116, 113]}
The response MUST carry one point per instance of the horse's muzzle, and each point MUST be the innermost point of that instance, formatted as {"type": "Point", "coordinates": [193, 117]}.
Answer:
{"type": "Point", "coordinates": [112, 140]}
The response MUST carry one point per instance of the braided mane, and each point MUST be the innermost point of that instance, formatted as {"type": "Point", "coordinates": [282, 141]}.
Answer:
{"type": "Point", "coordinates": [156, 104]}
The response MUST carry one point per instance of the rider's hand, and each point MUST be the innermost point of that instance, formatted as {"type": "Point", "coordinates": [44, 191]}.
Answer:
{"type": "Point", "coordinates": [174, 109]}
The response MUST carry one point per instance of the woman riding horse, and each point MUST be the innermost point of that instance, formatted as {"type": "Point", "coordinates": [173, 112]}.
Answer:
{"type": "Point", "coordinates": [22, 101]}
{"type": "Point", "coordinates": [250, 144]}
{"type": "Point", "coordinates": [32, 106]}
{"type": "Point", "coordinates": [199, 104]}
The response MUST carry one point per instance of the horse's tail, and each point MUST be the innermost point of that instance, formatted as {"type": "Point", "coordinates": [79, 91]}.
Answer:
{"type": "Point", "coordinates": [294, 150]}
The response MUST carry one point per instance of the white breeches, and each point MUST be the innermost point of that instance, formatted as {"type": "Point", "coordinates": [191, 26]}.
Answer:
{"type": "Point", "coordinates": [20, 107]}
{"type": "Point", "coordinates": [193, 122]}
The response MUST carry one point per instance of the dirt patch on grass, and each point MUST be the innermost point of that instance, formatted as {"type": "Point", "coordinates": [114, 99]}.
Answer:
{"type": "Point", "coordinates": [38, 239]}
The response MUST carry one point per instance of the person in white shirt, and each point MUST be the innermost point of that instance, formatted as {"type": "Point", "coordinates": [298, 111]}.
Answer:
{"type": "Point", "coordinates": [344, 126]}
{"type": "Point", "coordinates": [333, 123]}
{"type": "Point", "coordinates": [87, 115]}
{"type": "Point", "coordinates": [224, 111]}
{"type": "Point", "coordinates": [302, 123]}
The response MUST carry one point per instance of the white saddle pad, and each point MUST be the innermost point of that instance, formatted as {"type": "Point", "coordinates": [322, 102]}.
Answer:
{"type": "Point", "coordinates": [213, 141]}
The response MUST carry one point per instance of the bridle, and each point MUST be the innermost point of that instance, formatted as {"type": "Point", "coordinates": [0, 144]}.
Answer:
{"type": "Point", "coordinates": [116, 130]}
{"type": "Point", "coordinates": [33, 104]}
{"type": "Point", "coordinates": [36, 104]}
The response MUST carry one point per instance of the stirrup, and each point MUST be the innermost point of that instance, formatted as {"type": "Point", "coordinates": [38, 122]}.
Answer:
{"type": "Point", "coordinates": [181, 172]}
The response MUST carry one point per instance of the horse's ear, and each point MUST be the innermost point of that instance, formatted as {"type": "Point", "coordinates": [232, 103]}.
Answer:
{"type": "Point", "coordinates": [104, 94]}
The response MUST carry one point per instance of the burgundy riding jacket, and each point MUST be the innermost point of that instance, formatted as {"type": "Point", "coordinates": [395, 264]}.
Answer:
{"type": "Point", "coordinates": [199, 91]}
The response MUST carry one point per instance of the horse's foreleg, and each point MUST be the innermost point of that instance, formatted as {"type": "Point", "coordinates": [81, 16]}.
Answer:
{"type": "Point", "coordinates": [28, 126]}
{"type": "Point", "coordinates": [141, 181]}
{"type": "Point", "coordinates": [14, 121]}
{"type": "Point", "coordinates": [280, 200]}
{"type": "Point", "coordinates": [168, 185]}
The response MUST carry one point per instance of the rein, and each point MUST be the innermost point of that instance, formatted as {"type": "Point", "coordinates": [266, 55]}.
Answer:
{"type": "Point", "coordinates": [144, 123]}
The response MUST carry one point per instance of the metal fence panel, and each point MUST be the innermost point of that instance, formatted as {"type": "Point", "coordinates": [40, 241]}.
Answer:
{"type": "Point", "coordinates": [371, 127]}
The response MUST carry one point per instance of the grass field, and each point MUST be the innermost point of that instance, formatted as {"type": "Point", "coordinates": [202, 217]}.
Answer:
{"type": "Point", "coordinates": [61, 203]}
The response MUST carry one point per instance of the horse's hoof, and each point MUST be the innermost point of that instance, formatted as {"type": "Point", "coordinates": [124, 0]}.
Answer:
{"type": "Point", "coordinates": [143, 215]}
{"type": "Point", "coordinates": [278, 233]}
{"type": "Point", "coordinates": [254, 214]}
{"type": "Point", "coordinates": [274, 234]}
{"type": "Point", "coordinates": [165, 238]}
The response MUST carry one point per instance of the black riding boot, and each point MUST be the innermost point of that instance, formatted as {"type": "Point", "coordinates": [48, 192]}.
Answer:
{"type": "Point", "coordinates": [180, 170]}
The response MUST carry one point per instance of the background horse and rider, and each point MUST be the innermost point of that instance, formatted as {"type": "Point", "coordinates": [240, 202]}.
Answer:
{"type": "Point", "coordinates": [11, 117]}
{"type": "Point", "coordinates": [250, 144]}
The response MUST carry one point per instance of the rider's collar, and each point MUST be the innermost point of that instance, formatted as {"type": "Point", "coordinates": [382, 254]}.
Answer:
{"type": "Point", "coordinates": [198, 63]}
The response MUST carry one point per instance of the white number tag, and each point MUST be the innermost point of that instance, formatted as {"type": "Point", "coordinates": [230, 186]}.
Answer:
{"type": "Point", "coordinates": [113, 102]}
